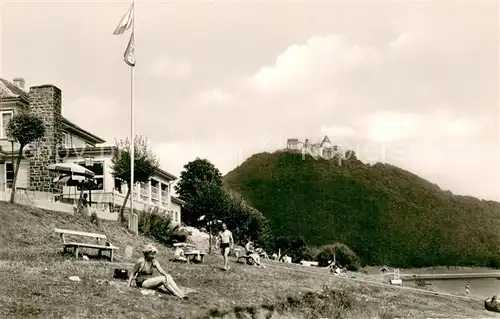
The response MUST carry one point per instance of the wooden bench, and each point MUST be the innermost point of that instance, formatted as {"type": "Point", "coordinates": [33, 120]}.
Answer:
{"type": "Point", "coordinates": [191, 255]}
{"type": "Point", "coordinates": [106, 246]}
{"type": "Point", "coordinates": [184, 245]}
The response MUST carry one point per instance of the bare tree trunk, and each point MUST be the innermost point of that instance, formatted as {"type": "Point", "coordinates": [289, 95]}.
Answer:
{"type": "Point", "coordinates": [122, 209]}
{"type": "Point", "coordinates": [14, 180]}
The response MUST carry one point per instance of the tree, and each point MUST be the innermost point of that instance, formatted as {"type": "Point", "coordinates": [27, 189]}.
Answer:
{"type": "Point", "coordinates": [210, 200]}
{"type": "Point", "coordinates": [342, 255]}
{"type": "Point", "coordinates": [246, 222]}
{"type": "Point", "coordinates": [145, 164]}
{"type": "Point", "coordinates": [24, 128]}
{"type": "Point", "coordinates": [195, 175]}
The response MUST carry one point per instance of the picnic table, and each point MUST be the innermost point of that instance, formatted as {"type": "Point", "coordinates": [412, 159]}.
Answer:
{"type": "Point", "coordinates": [191, 255]}
{"type": "Point", "coordinates": [190, 252]}
{"type": "Point", "coordinates": [101, 242]}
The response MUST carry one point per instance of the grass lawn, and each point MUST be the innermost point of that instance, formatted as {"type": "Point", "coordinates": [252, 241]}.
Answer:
{"type": "Point", "coordinates": [35, 283]}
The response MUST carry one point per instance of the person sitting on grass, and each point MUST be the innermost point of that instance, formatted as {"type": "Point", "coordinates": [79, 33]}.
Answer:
{"type": "Point", "coordinates": [179, 254]}
{"type": "Point", "coordinates": [262, 253]}
{"type": "Point", "coordinates": [250, 251]}
{"type": "Point", "coordinates": [143, 274]}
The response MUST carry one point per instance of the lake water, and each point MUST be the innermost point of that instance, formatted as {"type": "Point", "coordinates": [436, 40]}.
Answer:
{"type": "Point", "coordinates": [480, 288]}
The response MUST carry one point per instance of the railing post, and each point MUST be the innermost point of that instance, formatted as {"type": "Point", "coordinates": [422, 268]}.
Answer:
{"type": "Point", "coordinates": [133, 223]}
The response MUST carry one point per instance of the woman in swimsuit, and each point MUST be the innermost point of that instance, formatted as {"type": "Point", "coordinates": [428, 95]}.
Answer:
{"type": "Point", "coordinates": [143, 274]}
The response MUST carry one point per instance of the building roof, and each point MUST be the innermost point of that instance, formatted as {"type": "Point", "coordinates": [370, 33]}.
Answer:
{"type": "Point", "coordinates": [105, 150]}
{"type": "Point", "coordinates": [177, 200]}
{"type": "Point", "coordinates": [9, 90]}
{"type": "Point", "coordinates": [165, 174]}
{"type": "Point", "coordinates": [80, 131]}
{"type": "Point", "coordinates": [326, 140]}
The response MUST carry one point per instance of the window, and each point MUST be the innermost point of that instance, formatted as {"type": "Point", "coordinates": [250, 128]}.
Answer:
{"type": "Point", "coordinates": [65, 139]}
{"type": "Point", "coordinates": [118, 185]}
{"type": "Point", "coordinates": [143, 191]}
{"type": "Point", "coordinates": [9, 174]}
{"type": "Point", "coordinates": [98, 169]}
{"type": "Point", "coordinates": [5, 117]}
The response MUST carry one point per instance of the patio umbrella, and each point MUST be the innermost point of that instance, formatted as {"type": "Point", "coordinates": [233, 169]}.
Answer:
{"type": "Point", "coordinates": [76, 180]}
{"type": "Point", "coordinates": [74, 169]}
{"type": "Point", "coordinates": [70, 180]}
{"type": "Point", "coordinates": [71, 168]}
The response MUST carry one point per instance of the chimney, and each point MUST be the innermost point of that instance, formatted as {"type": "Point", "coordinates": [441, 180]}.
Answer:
{"type": "Point", "coordinates": [19, 82]}
{"type": "Point", "coordinates": [45, 101]}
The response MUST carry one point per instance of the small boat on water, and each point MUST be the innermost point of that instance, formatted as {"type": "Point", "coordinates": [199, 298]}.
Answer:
{"type": "Point", "coordinates": [492, 304]}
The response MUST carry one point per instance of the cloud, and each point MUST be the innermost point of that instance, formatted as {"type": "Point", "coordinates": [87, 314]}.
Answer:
{"type": "Point", "coordinates": [222, 153]}
{"type": "Point", "coordinates": [339, 132]}
{"type": "Point", "coordinates": [167, 67]}
{"type": "Point", "coordinates": [390, 126]}
{"type": "Point", "coordinates": [213, 97]}
{"type": "Point", "coordinates": [383, 126]}
{"type": "Point", "coordinates": [306, 66]}
{"type": "Point", "coordinates": [381, 101]}
{"type": "Point", "coordinates": [413, 84]}
{"type": "Point", "coordinates": [87, 111]}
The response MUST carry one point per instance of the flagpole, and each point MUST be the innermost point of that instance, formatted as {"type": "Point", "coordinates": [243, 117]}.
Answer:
{"type": "Point", "coordinates": [132, 137]}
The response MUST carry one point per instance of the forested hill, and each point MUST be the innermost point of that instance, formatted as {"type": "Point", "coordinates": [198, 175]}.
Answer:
{"type": "Point", "coordinates": [387, 215]}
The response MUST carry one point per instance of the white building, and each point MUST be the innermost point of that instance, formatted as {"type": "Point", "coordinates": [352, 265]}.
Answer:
{"type": "Point", "coordinates": [64, 141]}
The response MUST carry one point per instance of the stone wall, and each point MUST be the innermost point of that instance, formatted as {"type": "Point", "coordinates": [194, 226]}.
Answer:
{"type": "Point", "coordinates": [45, 100]}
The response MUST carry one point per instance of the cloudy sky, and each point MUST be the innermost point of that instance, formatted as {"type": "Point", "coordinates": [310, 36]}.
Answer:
{"type": "Point", "coordinates": [412, 84]}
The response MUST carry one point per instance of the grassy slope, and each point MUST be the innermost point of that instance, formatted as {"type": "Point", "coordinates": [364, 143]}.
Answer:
{"type": "Point", "coordinates": [386, 214]}
{"type": "Point", "coordinates": [35, 282]}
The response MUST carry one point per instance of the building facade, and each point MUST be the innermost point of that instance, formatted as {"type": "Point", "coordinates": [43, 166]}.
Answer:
{"type": "Point", "coordinates": [323, 149]}
{"type": "Point", "coordinates": [64, 141]}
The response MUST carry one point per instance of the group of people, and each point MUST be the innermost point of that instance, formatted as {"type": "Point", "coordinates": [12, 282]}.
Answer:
{"type": "Point", "coordinates": [142, 272]}
{"type": "Point", "coordinates": [336, 269]}
{"type": "Point", "coordinates": [227, 244]}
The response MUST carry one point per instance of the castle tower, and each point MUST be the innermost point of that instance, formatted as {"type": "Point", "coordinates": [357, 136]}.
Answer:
{"type": "Point", "coordinates": [326, 142]}
{"type": "Point", "coordinates": [292, 144]}
{"type": "Point", "coordinates": [326, 147]}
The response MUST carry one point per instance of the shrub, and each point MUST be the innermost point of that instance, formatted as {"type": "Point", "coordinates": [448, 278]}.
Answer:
{"type": "Point", "coordinates": [159, 226]}
{"type": "Point", "coordinates": [492, 261]}
{"type": "Point", "coordinates": [420, 283]}
{"type": "Point", "coordinates": [343, 256]}
{"type": "Point", "coordinates": [293, 246]}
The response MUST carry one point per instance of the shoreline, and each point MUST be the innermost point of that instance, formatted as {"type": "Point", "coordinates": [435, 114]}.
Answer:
{"type": "Point", "coordinates": [375, 270]}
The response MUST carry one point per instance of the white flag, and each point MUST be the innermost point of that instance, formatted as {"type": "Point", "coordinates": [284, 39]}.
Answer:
{"type": "Point", "coordinates": [129, 55]}
{"type": "Point", "coordinates": [126, 21]}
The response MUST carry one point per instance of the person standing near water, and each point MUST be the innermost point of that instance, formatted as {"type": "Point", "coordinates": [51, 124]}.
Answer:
{"type": "Point", "coordinates": [467, 289]}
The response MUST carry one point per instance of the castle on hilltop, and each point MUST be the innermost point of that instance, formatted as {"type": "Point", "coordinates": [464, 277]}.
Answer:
{"type": "Point", "coordinates": [324, 149]}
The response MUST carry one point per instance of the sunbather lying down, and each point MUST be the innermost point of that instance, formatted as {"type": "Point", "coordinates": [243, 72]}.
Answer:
{"type": "Point", "coordinates": [142, 273]}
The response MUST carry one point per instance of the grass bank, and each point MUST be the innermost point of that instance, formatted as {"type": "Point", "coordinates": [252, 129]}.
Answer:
{"type": "Point", "coordinates": [35, 283]}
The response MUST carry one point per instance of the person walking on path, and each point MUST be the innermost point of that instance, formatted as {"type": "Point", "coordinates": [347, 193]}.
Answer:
{"type": "Point", "coordinates": [226, 244]}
